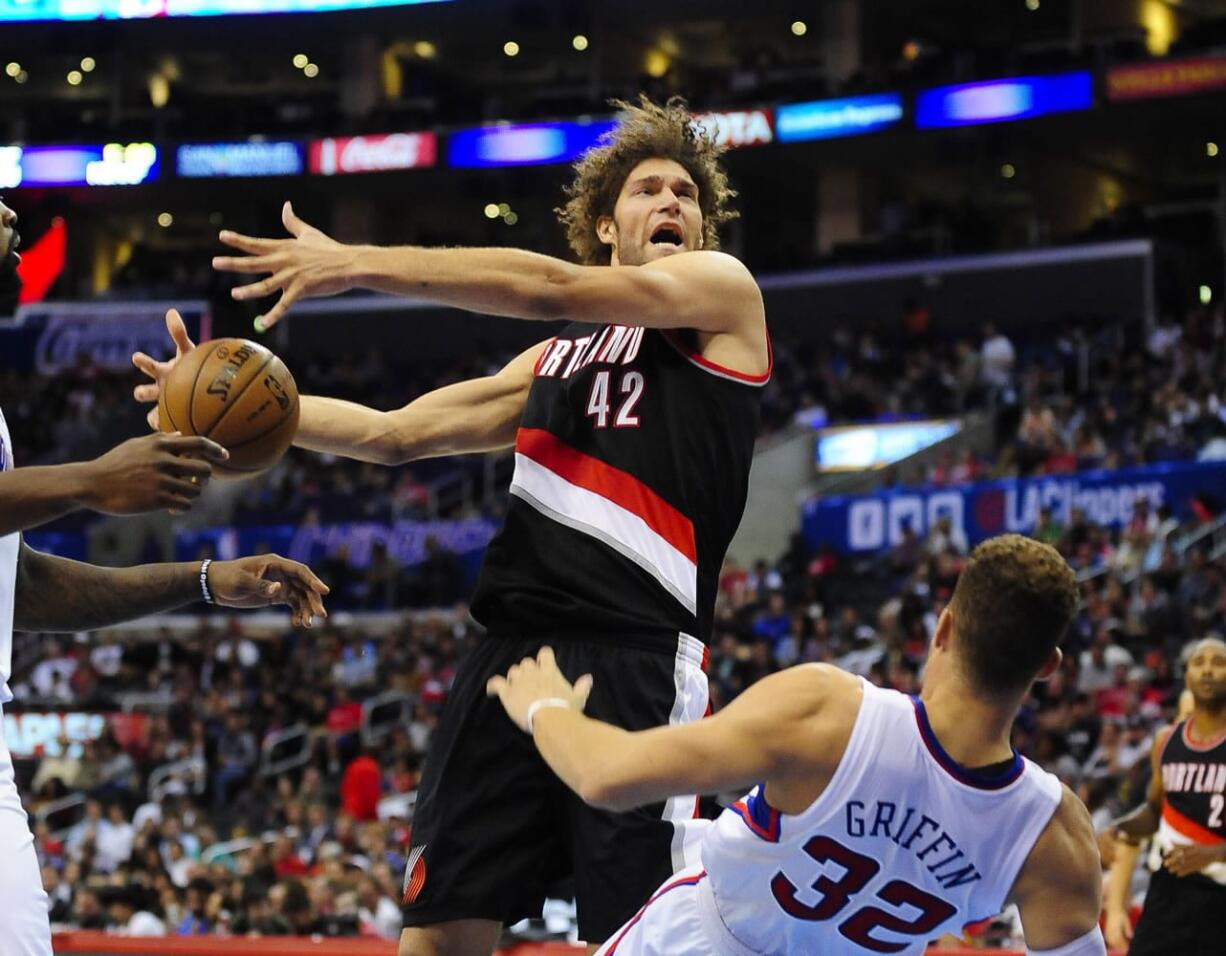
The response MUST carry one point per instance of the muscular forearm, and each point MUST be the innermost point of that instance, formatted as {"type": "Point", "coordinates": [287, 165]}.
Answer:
{"type": "Point", "coordinates": [342, 428]}
{"type": "Point", "coordinates": [1121, 875]}
{"type": "Point", "coordinates": [55, 594]}
{"type": "Point", "coordinates": [510, 282]}
{"type": "Point", "coordinates": [30, 497]}
{"type": "Point", "coordinates": [581, 751]}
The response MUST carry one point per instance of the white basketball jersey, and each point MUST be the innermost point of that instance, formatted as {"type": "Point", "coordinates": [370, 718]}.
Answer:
{"type": "Point", "coordinates": [903, 845]}
{"type": "Point", "coordinates": [9, 545]}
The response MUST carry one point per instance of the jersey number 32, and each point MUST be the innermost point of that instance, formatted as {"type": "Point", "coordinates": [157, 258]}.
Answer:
{"type": "Point", "coordinates": [837, 896]}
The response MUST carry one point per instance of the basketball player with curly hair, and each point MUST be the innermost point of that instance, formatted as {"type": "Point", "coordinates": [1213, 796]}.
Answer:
{"type": "Point", "coordinates": [633, 431]}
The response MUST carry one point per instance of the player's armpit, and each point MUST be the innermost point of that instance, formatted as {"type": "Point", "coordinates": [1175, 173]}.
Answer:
{"type": "Point", "coordinates": [772, 729]}
{"type": "Point", "coordinates": [1059, 890]}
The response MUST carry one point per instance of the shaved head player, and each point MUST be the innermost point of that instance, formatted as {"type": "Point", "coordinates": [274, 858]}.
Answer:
{"type": "Point", "coordinates": [879, 822]}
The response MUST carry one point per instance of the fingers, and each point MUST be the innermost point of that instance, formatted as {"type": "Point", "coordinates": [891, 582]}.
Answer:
{"type": "Point", "coordinates": [583, 688]}
{"type": "Point", "coordinates": [495, 686]}
{"type": "Point", "coordinates": [249, 244]}
{"type": "Point", "coordinates": [274, 315]}
{"type": "Point", "coordinates": [178, 332]}
{"type": "Point", "coordinates": [181, 488]}
{"type": "Point", "coordinates": [195, 445]}
{"type": "Point", "coordinates": [299, 572]}
{"type": "Point", "coordinates": [146, 363]}
{"type": "Point", "coordinates": [146, 393]}
{"type": "Point", "coordinates": [256, 290]}
{"type": "Point", "coordinates": [545, 657]}
{"type": "Point", "coordinates": [246, 264]}
{"type": "Point", "coordinates": [293, 225]}
{"type": "Point", "coordinates": [189, 468]}
{"type": "Point", "coordinates": [154, 421]}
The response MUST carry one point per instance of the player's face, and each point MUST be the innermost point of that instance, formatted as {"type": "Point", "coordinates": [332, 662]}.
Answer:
{"type": "Point", "coordinates": [656, 215]}
{"type": "Point", "coordinates": [9, 240]}
{"type": "Point", "coordinates": [1206, 676]}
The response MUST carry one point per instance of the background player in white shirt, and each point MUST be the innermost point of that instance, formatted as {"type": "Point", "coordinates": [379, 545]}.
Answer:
{"type": "Point", "coordinates": [884, 821]}
{"type": "Point", "coordinates": [39, 592]}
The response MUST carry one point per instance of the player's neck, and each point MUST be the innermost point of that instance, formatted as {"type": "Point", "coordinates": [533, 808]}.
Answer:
{"type": "Point", "coordinates": [973, 731]}
{"type": "Point", "coordinates": [1207, 723]}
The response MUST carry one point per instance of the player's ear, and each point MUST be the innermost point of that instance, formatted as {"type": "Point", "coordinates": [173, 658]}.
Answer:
{"type": "Point", "coordinates": [943, 638]}
{"type": "Point", "coordinates": [606, 230]}
{"type": "Point", "coordinates": [1051, 666]}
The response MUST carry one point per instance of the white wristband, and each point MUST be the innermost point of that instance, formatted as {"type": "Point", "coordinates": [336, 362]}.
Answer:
{"type": "Point", "coordinates": [538, 705]}
{"type": "Point", "coordinates": [204, 580]}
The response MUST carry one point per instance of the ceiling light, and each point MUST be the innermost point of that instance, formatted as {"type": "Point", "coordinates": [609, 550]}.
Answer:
{"type": "Point", "coordinates": [88, 63]}
{"type": "Point", "coordinates": [510, 48]}
{"type": "Point", "coordinates": [74, 77]}
{"type": "Point", "coordinates": [510, 218]}
{"type": "Point", "coordinates": [425, 49]}
{"type": "Point", "coordinates": [504, 209]}
{"type": "Point", "coordinates": [799, 28]}
{"type": "Point", "coordinates": [1032, 5]}
{"type": "Point", "coordinates": [22, 76]}
{"type": "Point", "coordinates": [1008, 171]}
{"type": "Point", "coordinates": [159, 90]}
{"type": "Point", "coordinates": [579, 42]}
{"type": "Point", "coordinates": [491, 210]}
{"type": "Point", "coordinates": [1211, 149]}
{"type": "Point", "coordinates": [301, 60]}
{"type": "Point", "coordinates": [1206, 295]}
{"type": "Point", "coordinates": [166, 220]}
{"type": "Point", "coordinates": [13, 69]}
{"type": "Point", "coordinates": [310, 71]}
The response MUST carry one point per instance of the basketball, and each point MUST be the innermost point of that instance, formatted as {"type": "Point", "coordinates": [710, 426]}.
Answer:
{"type": "Point", "coordinates": [237, 393]}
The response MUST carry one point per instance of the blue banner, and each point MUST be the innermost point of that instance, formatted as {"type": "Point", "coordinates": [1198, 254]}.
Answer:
{"type": "Point", "coordinates": [524, 145]}
{"type": "Point", "coordinates": [110, 164]}
{"type": "Point", "coordinates": [224, 160]}
{"type": "Point", "coordinates": [860, 523]}
{"type": "Point", "coordinates": [141, 9]}
{"type": "Point", "coordinates": [405, 541]}
{"type": "Point", "coordinates": [826, 119]}
{"type": "Point", "coordinates": [52, 337]}
{"type": "Point", "coordinates": [999, 101]}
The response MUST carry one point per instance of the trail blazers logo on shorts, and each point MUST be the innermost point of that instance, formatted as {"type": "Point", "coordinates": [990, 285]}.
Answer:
{"type": "Point", "coordinates": [414, 875]}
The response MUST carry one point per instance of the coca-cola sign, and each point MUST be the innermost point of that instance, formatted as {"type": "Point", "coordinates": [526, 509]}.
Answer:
{"type": "Point", "coordinates": [738, 128]}
{"type": "Point", "coordinates": [372, 154]}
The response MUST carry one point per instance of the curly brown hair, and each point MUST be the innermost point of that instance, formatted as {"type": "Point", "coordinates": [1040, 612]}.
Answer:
{"type": "Point", "coordinates": [1012, 606]}
{"type": "Point", "coordinates": [646, 131]}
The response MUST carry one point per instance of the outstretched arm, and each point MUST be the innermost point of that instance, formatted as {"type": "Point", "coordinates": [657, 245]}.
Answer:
{"type": "Point", "coordinates": [757, 737]}
{"type": "Point", "coordinates": [708, 291]}
{"type": "Point", "coordinates": [1059, 891]}
{"type": "Point", "coordinates": [479, 415]}
{"type": "Point", "coordinates": [55, 594]}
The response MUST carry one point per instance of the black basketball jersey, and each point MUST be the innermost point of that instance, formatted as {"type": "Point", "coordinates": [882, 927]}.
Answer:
{"type": "Point", "coordinates": [1194, 781]}
{"type": "Point", "coordinates": [631, 471]}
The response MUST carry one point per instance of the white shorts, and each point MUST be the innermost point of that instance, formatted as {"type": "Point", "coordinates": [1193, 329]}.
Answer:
{"type": "Point", "coordinates": [24, 926]}
{"type": "Point", "coordinates": [680, 919]}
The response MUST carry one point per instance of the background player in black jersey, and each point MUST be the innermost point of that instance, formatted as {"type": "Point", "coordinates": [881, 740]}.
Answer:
{"type": "Point", "coordinates": [633, 430]}
{"type": "Point", "coordinates": [1185, 812]}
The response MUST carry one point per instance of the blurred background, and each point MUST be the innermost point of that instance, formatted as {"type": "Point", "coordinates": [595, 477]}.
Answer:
{"type": "Point", "coordinates": [992, 242]}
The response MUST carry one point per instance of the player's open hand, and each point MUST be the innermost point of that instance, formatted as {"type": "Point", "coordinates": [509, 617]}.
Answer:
{"type": "Point", "coordinates": [160, 371]}
{"type": "Point", "coordinates": [307, 266]}
{"type": "Point", "coordinates": [150, 473]}
{"type": "Point", "coordinates": [1186, 860]}
{"type": "Point", "coordinates": [267, 579]}
{"type": "Point", "coordinates": [538, 679]}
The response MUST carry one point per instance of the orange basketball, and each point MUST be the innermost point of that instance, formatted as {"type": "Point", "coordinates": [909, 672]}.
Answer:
{"type": "Point", "coordinates": [240, 395]}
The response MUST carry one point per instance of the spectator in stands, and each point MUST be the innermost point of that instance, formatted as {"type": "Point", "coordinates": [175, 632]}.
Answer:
{"type": "Point", "coordinates": [996, 357]}
{"type": "Point", "coordinates": [944, 537]}
{"type": "Point", "coordinates": [128, 908]}
{"type": "Point", "coordinates": [236, 757]}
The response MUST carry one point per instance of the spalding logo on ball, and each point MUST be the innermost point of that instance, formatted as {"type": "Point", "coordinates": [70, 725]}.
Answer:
{"type": "Point", "coordinates": [237, 393]}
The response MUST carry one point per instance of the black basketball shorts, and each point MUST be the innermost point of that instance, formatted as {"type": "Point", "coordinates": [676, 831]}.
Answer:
{"type": "Point", "coordinates": [1182, 917]}
{"type": "Point", "coordinates": [494, 828]}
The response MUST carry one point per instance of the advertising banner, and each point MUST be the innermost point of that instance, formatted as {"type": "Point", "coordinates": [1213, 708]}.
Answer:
{"type": "Point", "coordinates": [1167, 78]}
{"type": "Point", "coordinates": [860, 523]}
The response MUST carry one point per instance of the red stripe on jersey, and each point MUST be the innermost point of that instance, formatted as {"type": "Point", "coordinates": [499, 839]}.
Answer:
{"type": "Point", "coordinates": [1189, 828]}
{"type": "Point", "coordinates": [619, 487]}
{"type": "Point", "coordinates": [684, 881]}
{"type": "Point", "coordinates": [1204, 746]}
{"type": "Point", "coordinates": [698, 359]}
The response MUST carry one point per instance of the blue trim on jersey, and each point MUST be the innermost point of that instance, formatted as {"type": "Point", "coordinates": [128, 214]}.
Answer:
{"type": "Point", "coordinates": [972, 778]}
{"type": "Point", "coordinates": [761, 818]}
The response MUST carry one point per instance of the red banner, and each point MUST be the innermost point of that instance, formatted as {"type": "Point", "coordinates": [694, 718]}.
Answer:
{"type": "Point", "coordinates": [372, 154]}
{"type": "Point", "coordinates": [1169, 78]}
{"type": "Point", "coordinates": [738, 127]}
